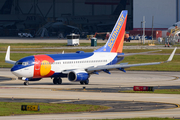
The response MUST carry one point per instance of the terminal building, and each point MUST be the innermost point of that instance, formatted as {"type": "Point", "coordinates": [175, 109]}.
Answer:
{"type": "Point", "coordinates": [64, 16]}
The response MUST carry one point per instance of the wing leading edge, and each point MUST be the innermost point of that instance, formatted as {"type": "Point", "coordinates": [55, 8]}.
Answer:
{"type": "Point", "coordinates": [90, 69]}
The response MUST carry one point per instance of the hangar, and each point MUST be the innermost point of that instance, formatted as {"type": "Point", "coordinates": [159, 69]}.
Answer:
{"type": "Point", "coordinates": [87, 15]}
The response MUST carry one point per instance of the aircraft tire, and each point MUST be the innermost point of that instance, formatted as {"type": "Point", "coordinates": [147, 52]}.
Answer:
{"type": "Point", "coordinates": [55, 80]}
{"type": "Point", "coordinates": [59, 81]}
{"type": "Point", "coordinates": [26, 83]}
{"type": "Point", "coordinates": [81, 82]}
{"type": "Point", "coordinates": [86, 82]}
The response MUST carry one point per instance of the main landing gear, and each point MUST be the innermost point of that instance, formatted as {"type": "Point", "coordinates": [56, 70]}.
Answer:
{"type": "Point", "coordinates": [57, 80]}
{"type": "Point", "coordinates": [86, 82]}
{"type": "Point", "coordinates": [26, 83]}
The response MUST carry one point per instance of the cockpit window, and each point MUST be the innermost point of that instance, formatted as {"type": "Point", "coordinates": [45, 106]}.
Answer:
{"type": "Point", "coordinates": [18, 63]}
{"type": "Point", "coordinates": [22, 63]}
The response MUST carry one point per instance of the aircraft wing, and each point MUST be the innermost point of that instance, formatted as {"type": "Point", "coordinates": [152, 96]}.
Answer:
{"type": "Point", "coordinates": [72, 27]}
{"type": "Point", "coordinates": [106, 67]}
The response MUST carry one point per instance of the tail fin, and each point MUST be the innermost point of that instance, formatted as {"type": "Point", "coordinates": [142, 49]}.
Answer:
{"type": "Point", "coordinates": [116, 39]}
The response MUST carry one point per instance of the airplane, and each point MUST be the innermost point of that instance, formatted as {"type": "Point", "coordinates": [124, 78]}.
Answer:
{"type": "Point", "coordinates": [78, 67]}
{"type": "Point", "coordinates": [177, 24]}
{"type": "Point", "coordinates": [174, 27]}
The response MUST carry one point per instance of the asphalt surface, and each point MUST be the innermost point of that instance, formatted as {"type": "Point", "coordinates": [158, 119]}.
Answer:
{"type": "Point", "coordinates": [102, 90]}
{"type": "Point", "coordinates": [5, 78]}
{"type": "Point", "coordinates": [116, 106]}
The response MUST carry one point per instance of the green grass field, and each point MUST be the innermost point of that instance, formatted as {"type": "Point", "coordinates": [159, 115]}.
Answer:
{"type": "Point", "coordinates": [174, 65]}
{"type": "Point", "coordinates": [24, 47]}
{"type": "Point", "coordinates": [164, 51]}
{"type": "Point", "coordinates": [3, 46]}
{"type": "Point", "coordinates": [14, 108]}
{"type": "Point", "coordinates": [157, 91]}
{"type": "Point", "coordinates": [41, 45]}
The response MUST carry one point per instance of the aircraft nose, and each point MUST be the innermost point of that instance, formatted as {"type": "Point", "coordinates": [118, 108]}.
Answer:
{"type": "Point", "coordinates": [14, 68]}
{"type": "Point", "coordinates": [16, 71]}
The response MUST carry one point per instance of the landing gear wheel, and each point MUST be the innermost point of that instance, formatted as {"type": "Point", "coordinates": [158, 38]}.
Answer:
{"type": "Point", "coordinates": [26, 83]}
{"type": "Point", "coordinates": [86, 82]}
{"type": "Point", "coordinates": [55, 81]}
{"type": "Point", "coordinates": [59, 81]}
{"type": "Point", "coordinates": [81, 82]}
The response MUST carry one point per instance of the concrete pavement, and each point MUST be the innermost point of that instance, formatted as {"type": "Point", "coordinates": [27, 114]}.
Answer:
{"type": "Point", "coordinates": [44, 90]}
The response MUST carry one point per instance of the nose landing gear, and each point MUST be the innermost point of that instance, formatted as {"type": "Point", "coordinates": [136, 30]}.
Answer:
{"type": "Point", "coordinates": [26, 83]}
{"type": "Point", "coordinates": [57, 80]}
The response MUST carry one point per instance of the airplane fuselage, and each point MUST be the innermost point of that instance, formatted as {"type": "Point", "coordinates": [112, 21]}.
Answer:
{"type": "Point", "coordinates": [39, 66]}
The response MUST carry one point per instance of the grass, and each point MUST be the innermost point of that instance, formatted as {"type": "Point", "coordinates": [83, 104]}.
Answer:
{"type": "Point", "coordinates": [14, 108]}
{"type": "Point", "coordinates": [159, 91]}
{"type": "Point", "coordinates": [51, 50]}
{"type": "Point", "coordinates": [3, 46]}
{"type": "Point", "coordinates": [151, 118]}
{"type": "Point", "coordinates": [164, 51]}
{"type": "Point", "coordinates": [14, 56]}
{"type": "Point", "coordinates": [40, 45]}
{"type": "Point", "coordinates": [176, 45]}
{"type": "Point", "coordinates": [174, 65]}
{"type": "Point", "coordinates": [134, 44]}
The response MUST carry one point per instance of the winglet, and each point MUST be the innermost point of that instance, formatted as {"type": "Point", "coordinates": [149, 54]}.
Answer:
{"type": "Point", "coordinates": [7, 58]}
{"type": "Point", "coordinates": [172, 55]}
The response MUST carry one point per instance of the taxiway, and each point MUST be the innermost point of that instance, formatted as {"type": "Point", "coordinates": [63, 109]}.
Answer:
{"type": "Point", "coordinates": [117, 81]}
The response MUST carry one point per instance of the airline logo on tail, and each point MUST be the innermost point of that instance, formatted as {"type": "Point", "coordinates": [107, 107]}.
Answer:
{"type": "Point", "coordinates": [116, 39]}
{"type": "Point", "coordinates": [116, 31]}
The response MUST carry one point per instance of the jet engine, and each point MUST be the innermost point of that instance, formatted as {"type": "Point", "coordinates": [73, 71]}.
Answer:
{"type": "Point", "coordinates": [78, 76]}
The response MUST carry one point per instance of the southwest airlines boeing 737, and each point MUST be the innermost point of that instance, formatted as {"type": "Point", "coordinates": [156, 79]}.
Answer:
{"type": "Point", "coordinates": [80, 65]}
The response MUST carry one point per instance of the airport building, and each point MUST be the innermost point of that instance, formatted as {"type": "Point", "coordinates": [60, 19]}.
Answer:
{"type": "Point", "coordinates": [87, 15]}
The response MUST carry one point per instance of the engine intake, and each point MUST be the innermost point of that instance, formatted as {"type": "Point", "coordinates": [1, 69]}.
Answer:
{"type": "Point", "coordinates": [78, 76]}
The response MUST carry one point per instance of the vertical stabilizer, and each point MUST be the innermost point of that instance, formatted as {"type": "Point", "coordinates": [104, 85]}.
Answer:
{"type": "Point", "coordinates": [116, 39]}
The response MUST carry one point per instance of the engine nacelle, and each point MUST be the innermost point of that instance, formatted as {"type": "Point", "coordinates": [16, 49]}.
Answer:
{"type": "Point", "coordinates": [78, 76]}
